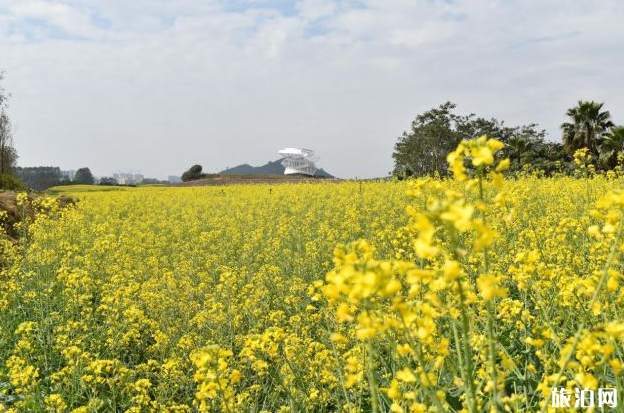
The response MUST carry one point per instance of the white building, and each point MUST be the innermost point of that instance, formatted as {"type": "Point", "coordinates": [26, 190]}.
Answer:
{"type": "Point", "coordinates": [128, 178]}
{"type": "Point", "coordinates": [68, 175]}
{"type": "Point", "coordinates": [298, 161]}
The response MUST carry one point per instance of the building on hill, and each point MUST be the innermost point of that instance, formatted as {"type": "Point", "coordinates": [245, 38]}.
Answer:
{"type": "Point", "coordinates": [298, 161]}
{"type": "Point", "coordinates": [270, 168]}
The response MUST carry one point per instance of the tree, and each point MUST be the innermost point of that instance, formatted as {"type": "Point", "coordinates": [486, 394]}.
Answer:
{"type": "Point", "coordinates": [516, 147]}
{"type": "Point", "coordinates": [39, 178]}
{"type": "Point", "coordinates": [108, 180]}
{"type": "Point", "coordinates": [194, 172]}
{"type": "Point", "coordinates": [423, 150]}
{"type": "Point", "coordinates": [612, 145]}
{"type": "Point", "coordinates": [435, 133]}
{"type": "Point", "coordinates": [588, 125]}
{"type": "Point", "coordinates": [10, 183]}
{"type": "Point", "coordinates": [84, 176]}
{"type": "Point", "coordinates": [8, 154]}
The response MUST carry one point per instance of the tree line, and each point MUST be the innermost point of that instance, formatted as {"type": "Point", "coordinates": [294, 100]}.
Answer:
{"type": "Point", "coordinates": [40, 178]}
{"type": "Point", "coordinates": [8, 154]}
{"type": "Point", "coordinates": [433, 134]}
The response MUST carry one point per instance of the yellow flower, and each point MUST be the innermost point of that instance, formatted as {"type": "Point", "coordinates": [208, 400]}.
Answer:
{"type": "Point", "coordinates": [343, 313]}
{"type": "Point", "coordinates": [586, 380]}
{"type": "Point", "coordinates": [459, 215]}
{"type": "Point", "coordinates": [339, 338]}
{"type": "Point", "coordinates": [497, 179]}
{"type": "Point", "coordinates": [455, 160]}
{"type": "Point", "coordinates": [406, 376]}
{"type": "Point", "coordinates": [489, 287]}
{"type": "Point", "coordinates": [481, 155]}
{"type": "Point", "coordinates": [495, 144]}
{"type": "Point", "coordinates": [365, 333]}
{"type": "Point", "coordinates": [503, 165]}
{"type": "Point", "coordinates": [594, 231]}
{"type": "Point", "coordinates": [484, 238]}
{"type": "Point", "coordinates": [394, 391]}
{"type": "Point", "coordinates": [396, 408]}
{"type": "Point", "coordinates": [404, 349]}
{"type": "Point", "coordinates": [451, 270]}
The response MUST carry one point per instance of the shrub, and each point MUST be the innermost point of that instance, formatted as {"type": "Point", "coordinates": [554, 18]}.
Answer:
{"type": "Point", "coordinates": [194, 172]}
{"type": "Point", "coordinates": [10, 183]}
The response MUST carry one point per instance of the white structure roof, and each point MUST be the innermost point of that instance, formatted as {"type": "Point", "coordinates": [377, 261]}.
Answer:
{"type": "Point", "coordinates": [298, 161]}
{"type": "Point", "coordinates": [296, 152]}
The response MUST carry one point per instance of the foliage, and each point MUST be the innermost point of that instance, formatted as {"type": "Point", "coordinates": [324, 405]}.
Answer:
{"type": "Point", "coordinates": [107, 180]}
{"type": "Point", "coordinates": [8, 154]}
{"type": "Point", "coordinates": [422, 151]}
{"type": "Point", "coordinates": [10, 183]}
{"type": "Point", "coordinates": [322, 297]}
{"type": "Point", "coordinates": [589, 123]}
{"type": "Point", "coordinates": [193, 173]}
{"type": "Point", "coordinates": [536, 155]}
{"type": "Point", "coordinates": [612, 147]}
{"type": "Point", "coordinates": [39, 178]}
{"type": "Point", "coordinates": [434, 133]}
{"type": "Point", "coordinates": [153, 181]}
{"type": "Point", "coordinates": [83, 176]}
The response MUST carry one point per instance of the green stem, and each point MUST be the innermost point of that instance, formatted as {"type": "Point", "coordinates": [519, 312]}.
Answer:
{"type": "Point", "coordinates": [490, 328]}
{"type": "Point", "coordinates": [467, 349]}
{"type": "Point", "coordinates": [372, 378]}
{"type": "Point", "coordinates": [490, 310]}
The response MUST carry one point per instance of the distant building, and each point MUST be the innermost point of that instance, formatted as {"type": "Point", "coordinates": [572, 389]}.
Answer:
{"type": "Point", "coordinates": [174, 179]}
{"type": "Point", "coordinates": [128, 178]}
{"type": "Point", "coordinates": [68, 175]}
{"type": "Point", "coordinates": [298, 161]}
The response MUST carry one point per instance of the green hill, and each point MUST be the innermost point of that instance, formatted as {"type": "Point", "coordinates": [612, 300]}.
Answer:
{"type": "Point", "coordinates": [270, 168]}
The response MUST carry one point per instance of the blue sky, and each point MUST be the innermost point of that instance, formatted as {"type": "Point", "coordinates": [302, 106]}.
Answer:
{"type": "Point", "coordinates": [157, 85]}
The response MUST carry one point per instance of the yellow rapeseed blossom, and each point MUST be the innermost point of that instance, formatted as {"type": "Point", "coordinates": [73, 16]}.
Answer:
{"type": "Point", "coordinates": [478, 293]}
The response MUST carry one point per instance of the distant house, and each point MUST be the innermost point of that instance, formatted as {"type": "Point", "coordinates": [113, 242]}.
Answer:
{"type": "Point", "coordinates": [173, 179]}
{"type": "Point", "coordinates": [68, 175]}
{"type": "Point", "coordinates": [128, 178]}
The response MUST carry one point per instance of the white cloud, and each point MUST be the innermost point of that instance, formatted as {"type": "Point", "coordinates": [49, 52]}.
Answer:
{"type": "Point", "coordinates": [159, 85]}
{"type": "Point", "coordinates": [62, 17]}
{"type": "Point", "coordinates": [316, 9]}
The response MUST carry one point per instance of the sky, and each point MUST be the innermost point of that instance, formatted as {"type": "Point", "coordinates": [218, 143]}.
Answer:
{"type": "Point", "coordinates": [155, 86]}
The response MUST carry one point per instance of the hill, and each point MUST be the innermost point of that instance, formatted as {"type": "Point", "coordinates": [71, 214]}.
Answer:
{"type": "Point", "coordinates": [270, 168]}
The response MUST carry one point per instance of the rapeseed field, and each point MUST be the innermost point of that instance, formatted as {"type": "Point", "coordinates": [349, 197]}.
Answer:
{"type": "Point", "coordinates": [467, 294]}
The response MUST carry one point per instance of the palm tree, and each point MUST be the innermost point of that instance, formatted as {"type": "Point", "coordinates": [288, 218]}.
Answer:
{"type": "Point", "coordinates": [612, 146]}
{"type": "Point", "coordinates": [516, 146]}
{"type": "Point", "coordinates": [589, 124]}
